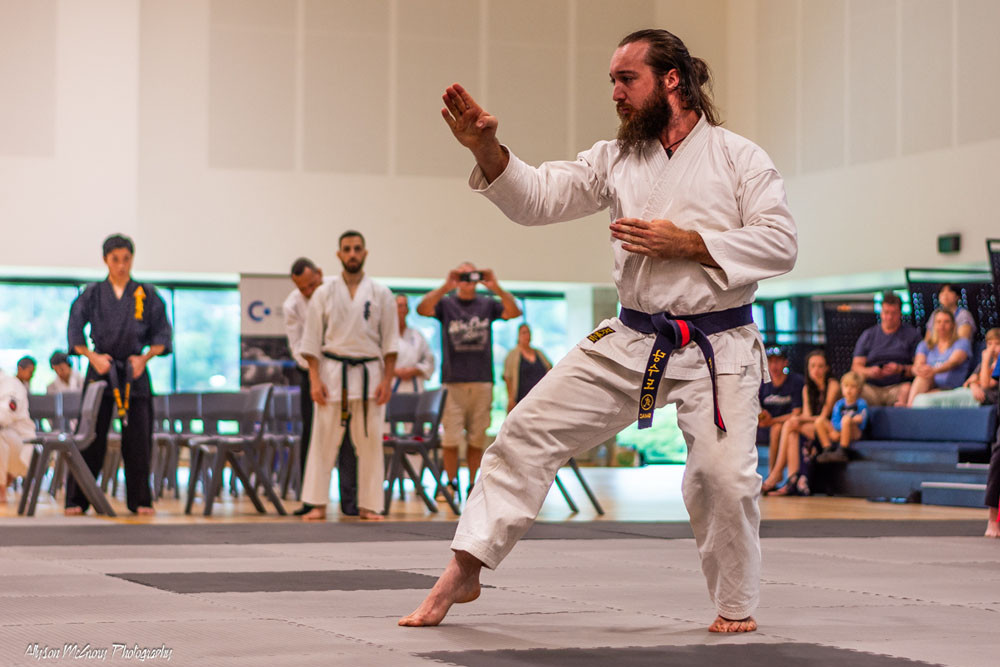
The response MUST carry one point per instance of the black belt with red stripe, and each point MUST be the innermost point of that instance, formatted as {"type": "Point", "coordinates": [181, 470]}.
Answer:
{"type": "Point", "coordinates": [673, 332]}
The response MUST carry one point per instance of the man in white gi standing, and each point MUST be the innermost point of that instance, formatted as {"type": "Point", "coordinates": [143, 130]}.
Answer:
{"type": "Point", "coordinates": [350, 341]}
{"type": "Point", "coordinates": [307, 278]}
{"type": "Point", "coordinates": [698, 217]}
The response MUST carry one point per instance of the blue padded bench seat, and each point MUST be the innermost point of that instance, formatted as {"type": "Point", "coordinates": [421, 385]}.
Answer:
{"type": "Point", "coordinates": [937, 425]}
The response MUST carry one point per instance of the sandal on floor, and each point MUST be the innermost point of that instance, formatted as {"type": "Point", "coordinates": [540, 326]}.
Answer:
{"type": "Point", "coordinates": [766, 488]}
{"type": "Point", "coordinates": [802, 486]}
{"type": "Point", "coordinates": [791, 487]}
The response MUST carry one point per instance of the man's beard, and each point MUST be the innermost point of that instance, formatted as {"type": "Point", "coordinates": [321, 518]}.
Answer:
{"type": "Point", "coordinates": [646, 123]}
{"type": "Point", "coordinates": [353, 268]}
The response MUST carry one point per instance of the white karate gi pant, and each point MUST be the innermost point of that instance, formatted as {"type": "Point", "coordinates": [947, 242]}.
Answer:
{"type": "Point", "coordinates": [586, 399]}
{"type": "Point", "coordinates": [14, 454]}
{"type": "Point", "coordinates": [328, 435]}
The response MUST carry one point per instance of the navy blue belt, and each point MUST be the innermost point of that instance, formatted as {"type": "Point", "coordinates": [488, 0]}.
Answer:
{"type": "Point", "coordinates": [345, 363]}
{"type": "Point", "coordinates": [674, 332]}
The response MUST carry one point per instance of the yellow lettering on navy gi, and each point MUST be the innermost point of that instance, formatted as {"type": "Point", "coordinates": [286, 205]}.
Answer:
{"type": "Point", "coordinates": [140, 297]}
{"type": "Point", "coordinates": [599, 334]}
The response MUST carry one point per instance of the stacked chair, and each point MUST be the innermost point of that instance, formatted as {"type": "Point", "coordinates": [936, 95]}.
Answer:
{"type": "Point", "coordinates": [244, 452]}
{"type": "Point", "coordinates": [68, 446]}
{"type": "Point", "coordinates": [418, 416]}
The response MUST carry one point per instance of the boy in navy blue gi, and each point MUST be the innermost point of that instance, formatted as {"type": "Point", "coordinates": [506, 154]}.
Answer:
{"type": "Point", "coordinates": [128, 327]}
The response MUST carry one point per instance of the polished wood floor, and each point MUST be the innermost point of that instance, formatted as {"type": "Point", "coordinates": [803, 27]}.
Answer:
{"type": "Point", "coordinates": [650, 493]}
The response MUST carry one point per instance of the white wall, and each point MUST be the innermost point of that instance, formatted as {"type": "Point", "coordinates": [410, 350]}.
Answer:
{"type": "Point", "coordinates": [881, 114]}
{"type": "Point", "coordinates": [236, 135]}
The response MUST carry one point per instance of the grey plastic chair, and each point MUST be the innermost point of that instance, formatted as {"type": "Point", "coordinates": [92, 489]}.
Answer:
{"type": "Point", "coordinates": [242, 452]}
{"type": "Point", "coordinates": [283, 443]}
{"type": "Point", "coordinates": [424, 438]}
{"type": "Point", "coordinates": [69, 446]}
{"type": "Point", "coordinates": [586, 489]}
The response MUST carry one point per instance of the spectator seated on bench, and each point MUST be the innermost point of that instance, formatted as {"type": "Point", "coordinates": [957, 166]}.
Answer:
{"type": "Point", "coordinates": [979, 389]}
{"type": "Point", "coordinates": [942, 358]}
{"type": "Point", "coordinates": [847, 423]}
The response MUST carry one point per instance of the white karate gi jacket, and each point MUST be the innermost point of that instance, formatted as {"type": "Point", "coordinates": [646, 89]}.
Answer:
{"type": "Point", "coordinates": [294, 311]}
{"type": "Point", "coordinates": [365, 326]}
{"type": "Point", "coordinates": [718, 184]}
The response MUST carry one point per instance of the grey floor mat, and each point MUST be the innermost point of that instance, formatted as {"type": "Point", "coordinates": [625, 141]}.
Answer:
{"type": "Point", "coordinates": [256, 582]}
{"type": "Point", "coordinates": [744, 655]}
{"type": "Point", "coordinates": [280, 533]}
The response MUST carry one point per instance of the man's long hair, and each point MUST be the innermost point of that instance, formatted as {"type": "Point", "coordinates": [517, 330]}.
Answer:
{"type": "Point", "coordinates": [667, 52]}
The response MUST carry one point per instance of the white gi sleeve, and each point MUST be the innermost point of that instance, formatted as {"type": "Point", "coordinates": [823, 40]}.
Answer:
{"type": "Point", "coordinates": [425, 358]}
{"type": "Point", "coordinates": [311, 343]}
{"type": "Point", "coordinates": [767, 243]}
{"type": "Point", "coordinates": [552, 192]}
{"type": "Point", "coordinates": [293, 328]}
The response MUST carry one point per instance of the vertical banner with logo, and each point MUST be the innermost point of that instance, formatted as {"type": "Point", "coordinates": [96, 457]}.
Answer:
{"type": "Point", "coordinates": [264, 353]}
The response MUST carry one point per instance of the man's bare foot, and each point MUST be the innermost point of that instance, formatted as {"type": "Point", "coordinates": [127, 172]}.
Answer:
{"type": "Point", "coordinates": [992, 529]}
{"type": "Point", "coordinates": [315, 514]}
{"type": "Point", "coordinates": [459, 583]}
{"type": "Point", "coordinates": [145, 511]}
{"type": "Point", "coordinates": [723, 624]}
{"type": "Point", "coordinates": [73, 511]}
{"type": "Point", "coordinates": [369, 515]}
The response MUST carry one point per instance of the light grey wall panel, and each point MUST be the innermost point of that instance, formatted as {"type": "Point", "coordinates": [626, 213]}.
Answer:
{"type": "Point", "coordinates": [777, 82]}
{"type": "Point", "coordinates": [346, 51]}
{"type": "Point", "coordinates": [823, 85]}
{"type": "Point", "coordinates": [927, 75]}
{"type": "Point", "coordinates": [600, 26]}
{"type": "Point", "coordinates": [978, 70]}
{"type": "Point", "coordinates": [251, 108]}
{"type": "Point", "coordinates": [27, 77]}
{"type": "Point", "coordinates": [527, 75]}
{"type": "Point", "coordinates": [430, 59]}
{"type": "Point", "coordinates": [872, 116]}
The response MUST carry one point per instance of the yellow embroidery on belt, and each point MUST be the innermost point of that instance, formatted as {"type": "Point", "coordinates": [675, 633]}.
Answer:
{"type": "Point", "coordinates": [140, 297]}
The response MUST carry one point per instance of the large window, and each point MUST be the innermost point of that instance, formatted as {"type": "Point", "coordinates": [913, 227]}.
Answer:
{"type": "Point", "coordinates": [33, 320]}
{"type": "Point", "coordinates": [206, 321]}
{"type": "Point", "coordinates": [206, 339]}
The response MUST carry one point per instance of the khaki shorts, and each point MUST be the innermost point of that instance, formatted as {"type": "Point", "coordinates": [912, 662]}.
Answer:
{"type": "Point", "coordinates": [881, 395]}
{"type": "Point", "coordinates": [466, 414]}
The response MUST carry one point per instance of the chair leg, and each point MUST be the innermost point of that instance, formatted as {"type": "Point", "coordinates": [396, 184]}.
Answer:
{"type": "Point", "coordinates": [32, 480]}
{"type": "Point", "coordinates": [244, 477]}
{"type": "Point", "coordinates": [431, 505]}
{"type": "Point", "coordinates": [194, 472]}
{"type": "Point", "coordinates": [215, 484]}
{"type": "Point", "coordinates": [87, 483]}
{"type": "Point", "coordinates": [268, 487]}
{"type": "Point", "coordinates": [175, 460]}
{"type": "Point", "coordinates": [58, 476]}
{"type": "Point", "coordinates": [439, 487]}
{"type": "Point", "coordinates": [569, 500]}
{"type": "Point", "coordinates": [586, 487]}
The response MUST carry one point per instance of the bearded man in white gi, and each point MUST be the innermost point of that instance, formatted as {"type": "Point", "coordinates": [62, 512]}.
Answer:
{"type": "Point", "coordinates": [350, 342]}
{"type": "Point", "coordinates": [698, 217]}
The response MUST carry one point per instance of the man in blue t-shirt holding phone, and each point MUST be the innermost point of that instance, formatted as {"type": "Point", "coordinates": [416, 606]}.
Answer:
{"type": "Point", "coordinates": [467, 359]}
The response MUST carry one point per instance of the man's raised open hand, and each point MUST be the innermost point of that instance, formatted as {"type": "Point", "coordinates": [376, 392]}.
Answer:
{"type": "Point", "coordinates": [475, 129]}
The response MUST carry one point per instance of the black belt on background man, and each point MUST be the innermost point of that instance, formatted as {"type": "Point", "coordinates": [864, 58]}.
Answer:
{"type": "Point", "coordinates": [346, 362]}
{"type": "Point", "coordinates": [122, 391]}
{"type": "Point", "coordinates": [673, 332]}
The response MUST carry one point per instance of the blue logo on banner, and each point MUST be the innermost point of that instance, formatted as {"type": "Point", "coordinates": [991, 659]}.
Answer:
{"type": "Point", "coordinates": [258, 311]}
